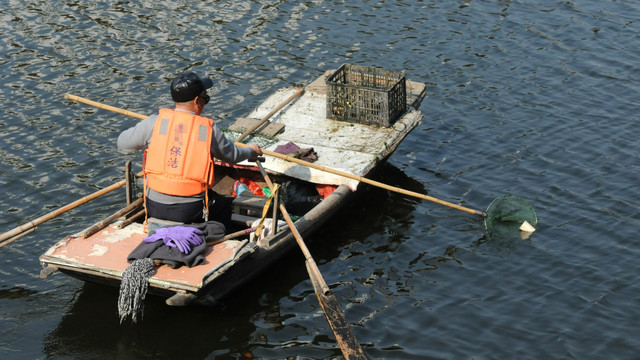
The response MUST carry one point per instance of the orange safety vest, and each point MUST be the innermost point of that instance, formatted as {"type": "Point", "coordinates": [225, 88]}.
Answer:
{"type": "Point", "coordinates": [178, 160]}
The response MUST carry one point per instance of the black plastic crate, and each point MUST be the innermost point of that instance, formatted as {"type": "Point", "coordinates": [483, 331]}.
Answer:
{"type": "Point", "coordinates": [366, 95]}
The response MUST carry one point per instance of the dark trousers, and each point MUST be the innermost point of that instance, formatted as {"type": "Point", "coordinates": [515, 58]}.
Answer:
{"type": "Point", "coordinates": [219, 210]}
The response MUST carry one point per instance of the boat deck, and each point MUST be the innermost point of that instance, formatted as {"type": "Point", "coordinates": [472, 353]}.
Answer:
{"type": "Point", "coordinates": [105, 254]}
{"type": "Point", "coordinates": [344, 146]}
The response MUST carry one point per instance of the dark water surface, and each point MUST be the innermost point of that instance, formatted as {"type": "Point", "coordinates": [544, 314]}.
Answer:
{"type": "Point", "coordinates": [535, 98]}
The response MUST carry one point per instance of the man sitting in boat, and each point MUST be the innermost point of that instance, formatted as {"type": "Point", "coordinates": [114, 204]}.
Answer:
{"type": "Point", "coordinates": [178, 164]}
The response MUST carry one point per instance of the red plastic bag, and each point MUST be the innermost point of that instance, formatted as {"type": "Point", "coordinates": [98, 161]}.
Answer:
{"type": "Point", "coordinates": [325, 190]}
{"type": "Point", "coordinates": [253, 187]}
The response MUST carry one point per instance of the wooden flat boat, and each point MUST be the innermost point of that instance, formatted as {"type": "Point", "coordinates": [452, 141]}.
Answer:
{"type": "Point", "coordinates": [99, 253]}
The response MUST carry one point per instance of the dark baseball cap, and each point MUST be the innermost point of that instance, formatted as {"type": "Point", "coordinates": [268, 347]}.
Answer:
{"type": "Point", "coordinates": [187, 86]}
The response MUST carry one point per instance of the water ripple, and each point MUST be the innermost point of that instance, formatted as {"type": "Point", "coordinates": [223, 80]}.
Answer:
{"type": "Point", "coordinates": [533, 98]}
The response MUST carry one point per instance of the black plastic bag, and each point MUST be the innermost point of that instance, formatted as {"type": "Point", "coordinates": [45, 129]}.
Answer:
{"type": "Point", "coordinates": [299, 197]}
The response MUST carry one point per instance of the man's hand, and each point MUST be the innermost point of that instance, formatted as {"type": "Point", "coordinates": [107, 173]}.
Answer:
{"type": "Point", "coordinates": [256, 149]}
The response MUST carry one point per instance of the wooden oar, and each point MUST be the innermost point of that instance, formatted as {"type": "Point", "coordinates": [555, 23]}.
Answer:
{"type": "Point", "coordinates": [369, 181]}
{"type": "Point", "coordinates": [347, 341]}
{"type": "Point", "coordinates": [30, 225]}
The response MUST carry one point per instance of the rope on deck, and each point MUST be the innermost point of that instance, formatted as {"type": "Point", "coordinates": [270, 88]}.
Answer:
{"type": "Point", "coordinates": [133, 289]}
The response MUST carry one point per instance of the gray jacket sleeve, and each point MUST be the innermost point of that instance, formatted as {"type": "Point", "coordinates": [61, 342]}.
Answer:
{"type": "Point", "coordinates": [225, 150]}
{"type": "Point", "coordinates": [137, 137]}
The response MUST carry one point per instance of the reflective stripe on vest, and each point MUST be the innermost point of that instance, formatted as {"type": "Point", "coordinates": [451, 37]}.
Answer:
{"type": "Point", "coordinates": [178, 160]}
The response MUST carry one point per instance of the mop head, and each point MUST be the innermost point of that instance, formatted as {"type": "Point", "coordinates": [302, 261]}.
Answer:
{"type": "Point", "coordinates": [133, 289]}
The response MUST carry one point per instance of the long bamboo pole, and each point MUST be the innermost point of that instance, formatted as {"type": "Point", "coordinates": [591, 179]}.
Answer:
{"type": "Point", "coordinates": [32, 224]}
{"type": "Point", "coordinates": [103, 106]}
{"type": "Point", "coordinates": [369, 181]}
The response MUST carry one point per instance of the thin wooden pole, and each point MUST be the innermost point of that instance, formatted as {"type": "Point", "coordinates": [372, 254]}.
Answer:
{"type": "Point", "coordinates": [104, 107]}
{"type": "Point", "coordinates": [104, 223]}
{"type": "Point", "coordinates": [369, 181]}
{"type": "Point", "coordinates": [270, 114]}
{"type": "Point", "coordinates": [10, 240]}
{"type": "Point", "coordinates": [141, 116]}
{"type": "Point", "coordinates": [234, 235]}
{"type": "Point", "coordinates": [128, 182]}
{"type": "Point", "coordinates": [131, 219]}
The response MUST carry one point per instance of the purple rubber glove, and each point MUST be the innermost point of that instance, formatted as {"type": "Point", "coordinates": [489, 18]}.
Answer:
{"type": "Point", "coordinates": [181, 237]}
{"type": "Point", "coordinates": [159, 234]}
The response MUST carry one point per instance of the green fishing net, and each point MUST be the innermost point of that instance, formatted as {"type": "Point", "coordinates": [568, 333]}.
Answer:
{"type": "Point", "coordinates": [262, 141]}
{"type": "Point", "coordinates": [506, 215]}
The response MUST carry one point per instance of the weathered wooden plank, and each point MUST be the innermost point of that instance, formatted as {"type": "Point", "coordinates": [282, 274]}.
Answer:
{"type": "Point", "coordinates": [270, 129]}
